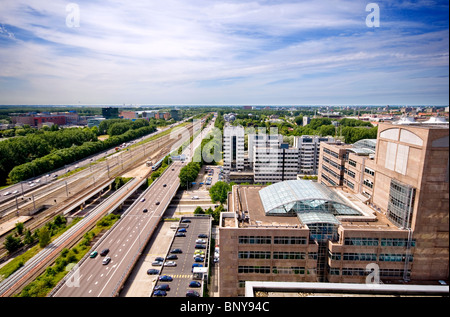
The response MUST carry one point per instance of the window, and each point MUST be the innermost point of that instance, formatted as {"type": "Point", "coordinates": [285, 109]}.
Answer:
{"type": "Point", "coordinates": [254, 269]}
{"type": "Point", "coordinates": [254, 255]}
{"type": "Point", "coordinates": [289, 240]}
{"type": "Point", "coordinates": [352, 163]}
{"type": "Point", "coordinates": [361, 241]}
{"type": "Point", "coordinates": [255, 240]}
{"type": "Point", "coordinates": [288, 270]}
{"type": "Point", "coordinates": [369, 171]}
{"type": "Point", "coordinates": [289, 255]}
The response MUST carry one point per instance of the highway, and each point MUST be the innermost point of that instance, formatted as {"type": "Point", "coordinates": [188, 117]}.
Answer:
{"type": "Point", "coordinates": [126, 239]}
{"type": "Point", "coordinates": [33, 267]}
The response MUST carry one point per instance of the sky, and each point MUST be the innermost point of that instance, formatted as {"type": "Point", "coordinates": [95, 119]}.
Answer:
{"type": "Point", "coordinates": [231, 52]}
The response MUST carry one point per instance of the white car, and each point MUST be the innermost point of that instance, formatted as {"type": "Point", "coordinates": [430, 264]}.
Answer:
{"type": "Point", "coordinates": [170, 263]}
{"type": "Point", "coordinates": [200, 241]}
{"type": "Point", "coordinates": [106, 260]}
{"type": "Point", "coordinates": [6, 194]}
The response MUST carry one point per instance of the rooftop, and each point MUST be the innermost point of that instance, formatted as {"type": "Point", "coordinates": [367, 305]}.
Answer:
{"type": "Point", "coordinates": [337, 206]}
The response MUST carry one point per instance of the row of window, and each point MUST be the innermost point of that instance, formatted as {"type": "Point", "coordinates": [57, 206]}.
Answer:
{"type": "Point", "coordinates": [268, 240]}
{"type": "Point", "coordinates": [363, 272]}
{"type": "Point", "coordinates": [275, 270]}
{"type": "Point", "coordinates": [389, 242]}
{"type": "Point", "coordinates": [371, 257]}
{"type": "Point", "coordinates": [278, 255]}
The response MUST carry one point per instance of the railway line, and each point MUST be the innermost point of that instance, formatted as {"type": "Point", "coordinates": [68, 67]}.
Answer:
{"type": "Point", "coordinates": [62, 193]}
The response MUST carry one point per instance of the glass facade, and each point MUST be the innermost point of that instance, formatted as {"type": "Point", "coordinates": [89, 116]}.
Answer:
{"type": "Point", "coordinates": [400, 205]}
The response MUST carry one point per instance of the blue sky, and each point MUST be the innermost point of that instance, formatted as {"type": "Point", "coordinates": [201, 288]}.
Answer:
{"type": "Point", "coordinates": [224, 52]}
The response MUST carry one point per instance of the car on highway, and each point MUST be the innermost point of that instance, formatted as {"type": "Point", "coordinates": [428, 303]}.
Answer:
{"type": "Point", "coordinates": [106, 260]}
{"type": "Point", "coordinates": [195, 284]}
{"type": "Point", "coordinates": [152, 271]}
{"type": "Point", "coordinates": [162, 287]}
{"type": "Point", "coordinates": [104, 252]}
{"type": "Point", "coordinates": [165, 278]}
{"type": "Point", "coordinates": [93, 254]}
{"type": "Point", "coordinates": [143, 199]}
{"type": "Point", "coordinates": [157, 203]}
{"type": "Point", "coordinates": [170, 263]}
{"type": "Point", "coordinates": [145, 210]}
{"type": "Point", "coordinates": [176, 251]}
{"type": "Point", "coordinates": [159, 293]}
{"type": "Point", "coordinates": [164, 185]}
{"type": "Point", "coordinates": [192, 293]}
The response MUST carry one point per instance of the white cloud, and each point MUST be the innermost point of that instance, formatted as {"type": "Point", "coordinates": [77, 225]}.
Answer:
{"type": "Point", "coordinates": [163, 51]}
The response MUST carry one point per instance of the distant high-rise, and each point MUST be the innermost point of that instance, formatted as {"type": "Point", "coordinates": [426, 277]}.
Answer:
{"type": "Point", "coordinates": [110, 113]}
{"type": "Point", "coordinates": [233, 146]}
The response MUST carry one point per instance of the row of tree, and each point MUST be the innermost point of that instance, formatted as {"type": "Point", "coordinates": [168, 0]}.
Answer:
{"type": "Point", "coordinates": [59, 158]}
{"type": "Point", "coordinates": [24, 149]}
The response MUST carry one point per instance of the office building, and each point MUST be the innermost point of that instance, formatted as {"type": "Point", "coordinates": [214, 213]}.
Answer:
{"type": "Point", "coordinates": [233, 148]}
{"type": "Point", "coordinates": [309, 152]}
{"type": "Point", "coordinates": [396, 227]}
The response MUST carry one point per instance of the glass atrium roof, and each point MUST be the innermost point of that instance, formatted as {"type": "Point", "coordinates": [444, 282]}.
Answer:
{"type": "Point", "coordinates": [310, 201]}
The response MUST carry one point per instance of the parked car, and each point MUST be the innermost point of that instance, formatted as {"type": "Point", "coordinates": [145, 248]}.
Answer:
{"type": "Point", "coordinates": [152, 271]}
{"type": "Point", "coordinates": [199, 259]}
{"type": "Point", "coordinates": [180, 234]}
{"type": "Point", "coordinates": [182, 230]}
{"type": "Point", "coordinates": [172, 257]}
{"type": "Point", "coordinates": [192, 293]}
{"type": "Point", "coordinates": [170, 263]}
{"type": "Point", "coordinates": [195, 284]}
{"type": "Point", "coordinates": [200, 241]}
{"type": "Point", "coordinates": [186, 220]}
{"type": "Point", "coordinates": [176, 251]}
{"type": "Point", "coordinates": [200, 246]}
{"type": "Point", "coordinates": [165, 278]}
{"type": "Point", "coordinates": [162, 287]}
{"type": "Point", "coordinates": [202, 235]}
{"type": "Point", "coordinates": [159, 293]}
{"type": "Point", "coordinates": [157, 263]}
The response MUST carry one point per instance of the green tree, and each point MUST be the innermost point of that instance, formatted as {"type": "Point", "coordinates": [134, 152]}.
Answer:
{"type": "Point", "coordinates": [12, 244]}
{"type": "Point", "coordinates": [199, 211]}
{"type": "Point", "coordinates": [219, 191]}
{"type": "Point", "coordinates": [44, 237]}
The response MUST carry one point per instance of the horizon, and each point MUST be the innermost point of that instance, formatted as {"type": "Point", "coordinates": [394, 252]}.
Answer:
{"type": "Point", "coordinates": [262, 52]}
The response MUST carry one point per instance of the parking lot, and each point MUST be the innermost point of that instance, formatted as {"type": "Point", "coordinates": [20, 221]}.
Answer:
{"type": "Point", "coordinates": [180, 267]}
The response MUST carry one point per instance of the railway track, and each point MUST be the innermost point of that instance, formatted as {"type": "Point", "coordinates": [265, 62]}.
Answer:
{"type": "Point", "coordinates": [85, 182]}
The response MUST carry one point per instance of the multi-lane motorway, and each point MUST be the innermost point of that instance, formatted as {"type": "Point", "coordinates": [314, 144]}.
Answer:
{"type": "Point", "coordinates": [125, 241]}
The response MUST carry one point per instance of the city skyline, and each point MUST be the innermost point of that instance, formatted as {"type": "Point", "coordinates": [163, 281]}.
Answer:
{"type": "Point", "coordinates": [223, 53]}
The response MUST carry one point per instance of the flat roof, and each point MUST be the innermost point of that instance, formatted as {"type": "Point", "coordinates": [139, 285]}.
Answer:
{"type": "Point", "coordinates": [350, 288]}
{"type": "Point", "coordinates": [245, 199]}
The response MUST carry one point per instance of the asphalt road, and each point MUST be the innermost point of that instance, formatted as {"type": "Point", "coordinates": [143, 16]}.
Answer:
{"type": "Point", "coordinates": [94, 279]}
